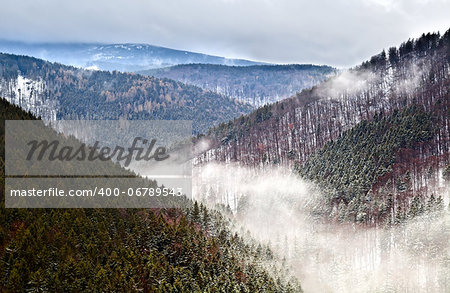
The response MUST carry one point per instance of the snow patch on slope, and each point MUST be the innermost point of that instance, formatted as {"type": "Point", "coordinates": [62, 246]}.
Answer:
{"type": "Point", "coordinates": [31, 95]}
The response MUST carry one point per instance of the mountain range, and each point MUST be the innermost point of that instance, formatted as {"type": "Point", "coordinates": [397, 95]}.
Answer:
{"type": "Point", "coordinates": [55, 91]}
{"type": "Point", "coordinates": [123, 57]}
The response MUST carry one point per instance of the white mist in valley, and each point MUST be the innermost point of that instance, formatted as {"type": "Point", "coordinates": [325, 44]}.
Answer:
{"type": "Point", "coordinates": [275, 206]}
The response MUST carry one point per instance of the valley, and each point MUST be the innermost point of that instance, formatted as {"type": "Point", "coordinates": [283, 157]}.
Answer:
{"type": "Point", "coordinates": [305, 178]}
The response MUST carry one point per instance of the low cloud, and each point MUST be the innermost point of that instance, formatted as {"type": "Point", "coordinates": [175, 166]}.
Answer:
{"type": "Point", "coordinates": [326, 257]}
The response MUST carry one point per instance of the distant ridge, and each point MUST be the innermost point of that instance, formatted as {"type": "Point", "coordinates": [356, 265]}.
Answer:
{"type": "Point", "coordinates": [123, 57]}
{"type": "Point", "coordinates": [256, 85]}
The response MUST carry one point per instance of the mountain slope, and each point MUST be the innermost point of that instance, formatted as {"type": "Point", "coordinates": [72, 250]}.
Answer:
{"type": "Point", "coordinates": [368, 164]}
{"type": "Point", "coordinates": [256, 85]}
{"type": "Point", "coordinates": [126, 250]}
{"type": "Point", "coordinates": [122, 57]}
{"type": "Point", "coordinates": [414, 76]}
{"type": "Point", "coordinates": [51, 90]}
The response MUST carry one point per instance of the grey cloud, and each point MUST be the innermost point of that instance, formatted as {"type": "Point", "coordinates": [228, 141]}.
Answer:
{"type": "Point", "coordinates": [335, 32]}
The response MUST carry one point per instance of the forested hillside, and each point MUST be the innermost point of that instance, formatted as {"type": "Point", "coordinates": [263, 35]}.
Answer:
{"type": "Point", "coordinates": [55, 91]}
{"type": "Point", "coordinates": [376, 133]}
{"type": "Point", "coordinates": [256, 85]}
{"type": "Point", "coordinates": [128, 250]}
{"type": "Point", "coordinates": [360, 172]}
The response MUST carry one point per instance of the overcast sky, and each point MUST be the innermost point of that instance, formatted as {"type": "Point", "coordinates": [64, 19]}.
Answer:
{"type": "Point", "coordinates": [335, 32]}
